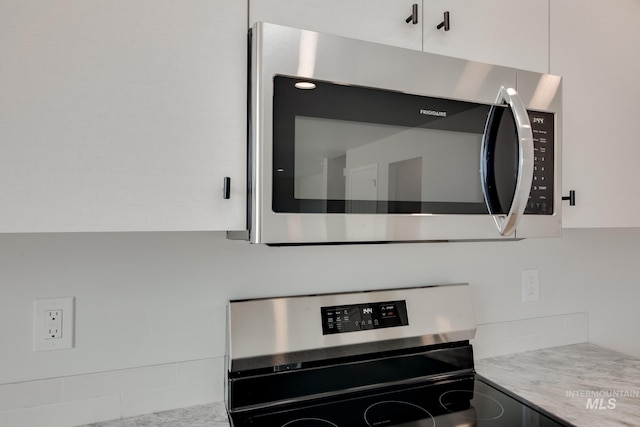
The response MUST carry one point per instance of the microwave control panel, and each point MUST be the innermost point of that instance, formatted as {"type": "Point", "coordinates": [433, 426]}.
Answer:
{"type": "Point", "coordinates": [361, 317]}
{"type": "Point", "coordinates": [541, 196]}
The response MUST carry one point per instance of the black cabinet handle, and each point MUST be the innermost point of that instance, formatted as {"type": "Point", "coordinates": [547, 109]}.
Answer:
{"type": "Point", "coordinates": [571, 198]}
{"type": "Point", "coordinates": [413, 18]}
{"type": "Point", "coordinates": [446, 24]}
{"type": "Point", "coordinates": [226, 188]}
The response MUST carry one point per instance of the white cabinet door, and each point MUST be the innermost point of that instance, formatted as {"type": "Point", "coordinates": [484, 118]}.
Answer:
{"type": "Point", "coordinates": [380, 21]}
{"type": "Point", "coordinates": [122, 115]}
{"type": "Point", "coordinates": [594, 46]}
{"type": "Point", "coordinates": [513, 33]}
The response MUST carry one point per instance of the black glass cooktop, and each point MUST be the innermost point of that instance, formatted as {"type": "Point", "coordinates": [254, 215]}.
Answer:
{"type": "Point", "coordinates": [468, 401]}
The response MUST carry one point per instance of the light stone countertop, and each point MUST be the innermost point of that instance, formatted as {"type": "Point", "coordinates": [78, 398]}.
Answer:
{"type": "Point", "coordinates": [569, 381]}
{"type": "Point", "coordinates": [563, 380]}
{"type": "Point", "coordinates": [209, 415]}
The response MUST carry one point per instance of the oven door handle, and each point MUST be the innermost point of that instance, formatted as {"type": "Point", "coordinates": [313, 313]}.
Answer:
{"type": "Point", "coordinates": [507, 224]}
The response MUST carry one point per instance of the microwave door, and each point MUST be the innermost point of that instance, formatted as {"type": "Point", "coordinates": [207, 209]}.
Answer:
{"type": "Point", "coordinates": [507, 158]}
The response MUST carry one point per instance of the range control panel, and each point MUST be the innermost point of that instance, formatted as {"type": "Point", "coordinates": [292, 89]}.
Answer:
{"type": "Point", "coordinates": [541, 196]}
{"type": "Point", "coordinates": [361, 317]}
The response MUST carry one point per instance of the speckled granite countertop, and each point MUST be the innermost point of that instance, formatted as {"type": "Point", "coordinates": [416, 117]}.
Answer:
{"type": "Point", "coordinates": [575, 382]}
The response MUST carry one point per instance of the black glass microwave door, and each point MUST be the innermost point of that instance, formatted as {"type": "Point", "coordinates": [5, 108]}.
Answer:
{"type": "Point", "coordinates": [350, 149]}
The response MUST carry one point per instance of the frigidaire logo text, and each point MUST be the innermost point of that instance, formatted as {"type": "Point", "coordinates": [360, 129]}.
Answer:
{"type": "Point", "coordinates": [433, 113]}
{"type": "Point", "coordinates": [538, 120]}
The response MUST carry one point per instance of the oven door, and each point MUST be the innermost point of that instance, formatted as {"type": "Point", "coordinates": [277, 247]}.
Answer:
{"type": "Point", "coordinates": [340, 152]}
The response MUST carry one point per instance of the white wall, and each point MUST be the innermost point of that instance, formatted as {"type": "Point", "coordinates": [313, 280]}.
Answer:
{"type": "Point", "coordinates": [610, 276]}
{"type": "Point", "coordinates": [154, 298]}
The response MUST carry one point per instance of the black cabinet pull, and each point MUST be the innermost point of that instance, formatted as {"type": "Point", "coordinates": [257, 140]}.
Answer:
{"type": "Point", "coordinates": [226, 188]}
{"type": "Point", "coordinates": [571, 198]}
{"type": "Point", "coordinates": [413, 18]}
{"type": "Point", "coordinates": [445, 23]}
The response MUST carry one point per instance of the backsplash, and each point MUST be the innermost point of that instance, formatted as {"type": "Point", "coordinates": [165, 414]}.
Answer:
{"type": "Point", "coordinates": [83, 399]}
{"type": "Point", "coordinates": [497, 339]}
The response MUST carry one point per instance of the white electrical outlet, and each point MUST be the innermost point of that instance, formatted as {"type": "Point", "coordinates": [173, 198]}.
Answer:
{"type": "Point", "coordinates": [530, 285]}
{"type": "Point", "coordinates": [53, 323]}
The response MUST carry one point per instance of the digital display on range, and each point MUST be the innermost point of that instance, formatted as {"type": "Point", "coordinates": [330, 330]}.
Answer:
{"type": "Point", "coordinates": [361, 317]}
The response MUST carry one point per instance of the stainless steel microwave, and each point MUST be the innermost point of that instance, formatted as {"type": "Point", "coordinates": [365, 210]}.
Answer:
{"type": "Point", "coordinates": [352, 141]}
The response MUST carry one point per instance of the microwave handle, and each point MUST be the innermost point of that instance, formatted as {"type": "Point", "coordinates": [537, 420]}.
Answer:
{"type": "Point", "coordinates": [507, 224]}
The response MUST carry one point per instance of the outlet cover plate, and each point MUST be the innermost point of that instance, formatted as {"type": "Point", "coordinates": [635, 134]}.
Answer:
{"type": "Point", "coordinates": [62, 339]}
{"type": "Point", "coordinates": [530, 285]}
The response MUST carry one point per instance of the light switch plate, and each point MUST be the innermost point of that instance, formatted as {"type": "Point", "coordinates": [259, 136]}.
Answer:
{"type": "Point", "coordinates": [53, 323]}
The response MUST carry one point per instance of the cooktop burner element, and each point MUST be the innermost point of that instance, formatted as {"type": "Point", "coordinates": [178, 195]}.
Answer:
{"type": "Point", "coordinates": [485, 407]}
{"type": "Point", "coordinates": [309, 362]}
{"type": "Point", "coordinates": [392, 413]}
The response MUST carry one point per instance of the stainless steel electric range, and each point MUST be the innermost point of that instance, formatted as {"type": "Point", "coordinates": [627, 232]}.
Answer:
{"type": "Point", "coordinates": [396, 357]}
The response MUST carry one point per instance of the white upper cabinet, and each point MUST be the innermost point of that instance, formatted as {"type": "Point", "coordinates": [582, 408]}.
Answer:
{"type": "Point", "coordinates": [380, 21]}
{"type": "Point", "coordinates": [122, 115]}
{"type": "Point", "coordinates": [594, 46]}
{"type": "Point", "coordinates": [513, 33]}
